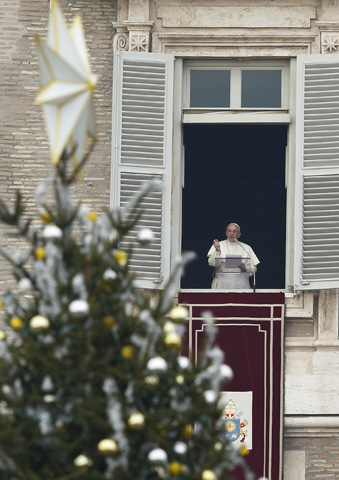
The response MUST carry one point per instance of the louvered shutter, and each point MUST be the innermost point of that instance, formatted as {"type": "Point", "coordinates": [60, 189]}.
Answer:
{"type": "Point", "coordinates": [142, 151]}
{"type": "Point", "coordinates": [317, 173]}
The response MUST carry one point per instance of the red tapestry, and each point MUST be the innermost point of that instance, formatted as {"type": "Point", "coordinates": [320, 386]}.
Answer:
{"type": "Point", "coordinates": [250, 332]}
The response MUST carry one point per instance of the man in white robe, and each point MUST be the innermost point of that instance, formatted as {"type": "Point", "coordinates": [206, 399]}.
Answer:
{"type": "Point", "coordinates": [234, 261]}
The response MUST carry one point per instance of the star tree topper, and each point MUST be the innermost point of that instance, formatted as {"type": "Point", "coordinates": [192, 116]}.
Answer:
{"type": "Point", "coordinates": [67, 86]}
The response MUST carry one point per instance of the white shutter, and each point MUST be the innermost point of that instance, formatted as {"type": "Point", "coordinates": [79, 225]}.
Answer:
{"type": "Point", "coordinates": [142, 151]}
{"type": "Point", "coordinates": [317, 173]}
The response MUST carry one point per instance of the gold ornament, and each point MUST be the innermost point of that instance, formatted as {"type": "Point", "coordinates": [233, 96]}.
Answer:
{"type": "Point", "coordinates": [136, 421]}
{"type": "Point", "coordinates": [178, 314]}
{"type": "Point", "coordinates": [180, 379]}
{"type": "Point", "coordinates": [60, 426]}
{"type": "Point", "coordinates": [2, 335]}
{"type": "Point", "coordinates": [39, 323]}
{"type": "Point", "coordinates": [40, 253]}
{"type": "Point", "coordinates": [108, 446]}
{"type": "Point", "coordinates": [82, 461]}
{"type": "Point", "coordinates": [127, 352]}
{"type": "Point", "coordinates": [1, 304]}
{"type": "Point", "coordinates": [92, 216]}
{"type": "Point", "coordinates": [175, 468]}
{"type": "Point", "coordinates": [121, 257]}
{"type": "Point", "coordinates": [172, 340]}
{"type": "Point", "coordinates": [46, 217]}
{"type": "Point", "coordinates": [208, 475]}
{"type": "Point", "coordinates": [168, 327]}
{"type": "Point", "coordinates": [187, 431]}
{"type": "Point", "coordinates": [152, 380]}
{"type": "Point", "coordinates": [16, 323]}
{"type": "Point", "coordinates": [218, 446]}
{"type": "Point", "coordinates": [109, 321]}
{"type": "Point", "coordinates": [243, 450]}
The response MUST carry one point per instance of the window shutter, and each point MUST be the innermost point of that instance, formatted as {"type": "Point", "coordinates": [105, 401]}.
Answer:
{"type": "Point", "coordinates": [317, 173]}
{"type": "Point", "coordinates": [142, 151]}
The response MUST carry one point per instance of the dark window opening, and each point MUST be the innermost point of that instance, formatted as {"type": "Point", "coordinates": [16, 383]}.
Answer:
{"type": "Point", "coordinates": [235, 173]}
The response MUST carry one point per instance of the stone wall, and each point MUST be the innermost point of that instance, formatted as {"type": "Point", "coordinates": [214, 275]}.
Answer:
{"type": "Point", "coordinates": [24, 151]}
{"type": "Point", "coordinates": [311, 458]}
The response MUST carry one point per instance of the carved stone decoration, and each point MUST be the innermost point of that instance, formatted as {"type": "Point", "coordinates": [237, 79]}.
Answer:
{"type": "Point", "coordinates": [139, 41]}
{"type": "Point", "coordinates": [330, 42]}
{"type": "Point", "coordinates": [120, 41]}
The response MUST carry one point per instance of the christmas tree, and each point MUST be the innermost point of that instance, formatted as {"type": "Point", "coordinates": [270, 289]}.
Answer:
{"type": "Point", "coordinates": [95, 379]}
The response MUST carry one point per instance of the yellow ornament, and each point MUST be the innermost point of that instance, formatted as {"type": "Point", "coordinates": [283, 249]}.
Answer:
{"type": "Point", "coordinates": [121, 257]}
{"type": "Point", "coordinates": [109, 321]}
{"type": "Point", "coordinates": [1, 304]}
{"type": "Point", "coordinates": [243, 450]}
{"type": "Point", "coordinates": [152, 380]}
{"type": "Point", "coordinates": [172, 340]}
{"type": "Point", "coordinates": [108, 446]}
{"type": "Point", "coordinates": [180, 379]}
{"type": "Point", "coordinates": [187, 431]}
{"type": "Point", "coordinates": [175, 468]}
{"type": "Point", "coordinates": [46, 217]}
{"type": "Point", "coordinates": [2, 335]}
{"type": "Point", "coordinates": [127, 352]}
{"type": "Point", "coordinates": [178, 314]}
{"type": "Point", "coordinates": [136, 421]}
{"type": "Point", "coordinates": [16, 323]}
{"type": "Point", "coordinates": [40, 253]}
{"type": "Point", "coordinates": [208, 475]}
{"type": "Point", "coordinates": [92, 216]}
{"type": "Point", "coordinates": [39, 323]}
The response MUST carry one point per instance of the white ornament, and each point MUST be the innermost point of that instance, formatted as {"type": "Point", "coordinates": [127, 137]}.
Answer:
{"type": "Point", "coordinates": [210, 396]}
{"type": "Point", "coordinates": [52, 231]}
{"type": "Point", "coordinates": [25, 284]}
{"type": "Point", "coordinates": [49, 398]}
{"type": "Point", "coordinates": [47, 384]}
{"type": "Point", "coordinates": [158, 364]}
{"type": "Point", "coordinates": [183, 362]}
{"type": "Point", "coordinates": [180, 448]}
{"type": "Point", "coordinates": [157, 455]}
{"type": "Point", "coordinates": [226, 372]}
{"type": "Point", "coordinates": [109, 274]}
{"type": "Point", "coordinates": [78, 308]}
{"type": "Point", "coordinates": [145, 236]}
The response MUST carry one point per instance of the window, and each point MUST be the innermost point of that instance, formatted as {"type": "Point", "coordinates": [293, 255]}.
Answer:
{"type": "Point", "coordinates": [210, 88]}
{"type": "Point", "coordinates": [261, 88]}
{"type": "Point", "coordinates": [236, 87]}
{"type": "Point", "coordinates": [148, 119]}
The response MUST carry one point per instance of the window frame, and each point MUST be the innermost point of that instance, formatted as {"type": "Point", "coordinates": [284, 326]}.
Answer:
{"type": "Point", "coordinates": [235, 67]}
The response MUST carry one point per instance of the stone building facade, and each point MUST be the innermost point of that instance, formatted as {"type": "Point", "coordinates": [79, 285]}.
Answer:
{"type": "Point", "coordinates": [198, 35]}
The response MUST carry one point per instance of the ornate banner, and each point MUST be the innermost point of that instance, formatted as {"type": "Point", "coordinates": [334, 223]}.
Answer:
{"type": "Point", "coordinates": [251, 335]}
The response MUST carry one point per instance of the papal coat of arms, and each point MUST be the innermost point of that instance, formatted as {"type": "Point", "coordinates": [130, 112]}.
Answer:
{"type": "Point", "coordinates": [235, 428]}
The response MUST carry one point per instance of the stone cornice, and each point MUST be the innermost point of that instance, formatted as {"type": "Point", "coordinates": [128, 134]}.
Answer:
{"type": "Point", "coordinates": [306, 425]}
{"type": "Point", "coordinates": [185, 44]}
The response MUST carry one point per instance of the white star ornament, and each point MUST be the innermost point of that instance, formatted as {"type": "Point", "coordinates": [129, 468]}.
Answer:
{"type": "Point", "coordinates": [67, 86]}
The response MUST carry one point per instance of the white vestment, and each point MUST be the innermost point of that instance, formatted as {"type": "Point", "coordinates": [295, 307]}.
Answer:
{"type": "Point", "coordinates": [232, 278]}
